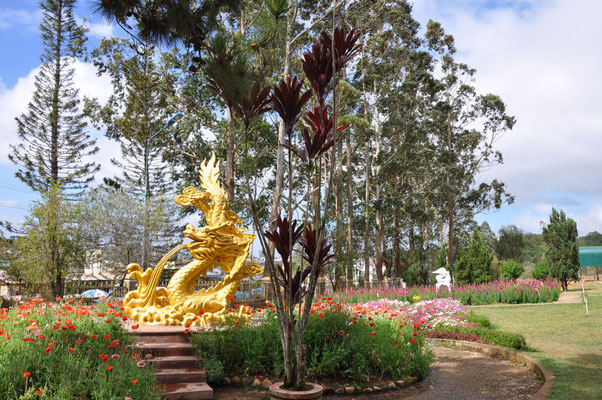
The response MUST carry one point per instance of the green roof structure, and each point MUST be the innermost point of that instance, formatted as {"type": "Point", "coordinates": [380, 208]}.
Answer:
{"type": "Point", "coordinates": [590, 256]}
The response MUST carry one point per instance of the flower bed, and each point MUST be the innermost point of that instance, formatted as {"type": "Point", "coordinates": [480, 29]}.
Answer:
{"type": "Point", "coordinates": [511, 292]}
{"type": "Point", "coordinates": [437, 315]}
{"type": "Point", "coordinates": [340, 345]}
{"type": "Point", "coordinates": [64, 350]}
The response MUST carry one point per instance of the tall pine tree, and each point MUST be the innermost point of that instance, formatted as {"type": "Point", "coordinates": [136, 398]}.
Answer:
{"type": "Point", "coordinates": [53, 141]}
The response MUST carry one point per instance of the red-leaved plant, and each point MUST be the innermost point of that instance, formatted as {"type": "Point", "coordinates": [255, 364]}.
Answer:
{"type": "Point", "coordinates": [293, 285]}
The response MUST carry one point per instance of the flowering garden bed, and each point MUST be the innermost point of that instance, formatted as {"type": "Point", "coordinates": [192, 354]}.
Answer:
{"type": "Point", "coordinates": [510, 292]}
{"type": "Point", "coordinates": [341, 345]}
{"type": "Point", "coordinates": [63, 350]}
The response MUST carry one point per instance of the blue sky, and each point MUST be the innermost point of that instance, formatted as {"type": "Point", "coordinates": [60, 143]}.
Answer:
{"type": "Point", "coordinates": [542, 57]}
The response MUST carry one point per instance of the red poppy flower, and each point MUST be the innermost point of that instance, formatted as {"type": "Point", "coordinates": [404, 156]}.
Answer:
{"type": "Point", "coordinates": [134, 381]}
{"type": "Point", "coordinates": [109, 367]}
{"type": "Point", "coordinates": [26, 375]}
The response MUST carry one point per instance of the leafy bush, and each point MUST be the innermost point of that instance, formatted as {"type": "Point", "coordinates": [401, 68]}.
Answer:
{"type": "Point", "coordinates": [504, 339]}
{"type": "Point", "coordinates": [500, 338]}
{"type": "Point", "coordinates": [474, 263]}
{"type": "Point", "coordinates": [512, 270]}
{"type": "Point", "coordinates": [338, 344]}
{"type": "Point", "coordinates": [70, 352]}
{"type": "Point", "coordinates": [541, 270]}
{"type": "Point", "coordinates": [479, 320]}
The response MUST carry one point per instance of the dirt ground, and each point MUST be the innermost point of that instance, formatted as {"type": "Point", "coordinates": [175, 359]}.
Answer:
{"type": "Point", "coordinates": [455, 374]}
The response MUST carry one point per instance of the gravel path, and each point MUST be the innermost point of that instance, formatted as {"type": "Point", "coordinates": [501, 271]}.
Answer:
{"type": "Point", "coordinates": [456, 374]}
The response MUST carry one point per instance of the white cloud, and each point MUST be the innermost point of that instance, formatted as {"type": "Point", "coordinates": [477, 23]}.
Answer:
{"type": "Point", "coordinates": [541, 58]}
{"type": "Point", "coordinates": [101, 29]}
{"type": "Point", "coordinates": [14, 101]}
{"type": "Point", "coordinates": [10, 19]}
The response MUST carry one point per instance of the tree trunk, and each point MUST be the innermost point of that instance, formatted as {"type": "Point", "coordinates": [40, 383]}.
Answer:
{"type": "Point", "coordinates": [396, 255]}
{"type": "Point", "coordinates": [349, 212]}
{"type": "Point", "coordinates": [230, 150]}
{"type": "Point", "coordinates": [379, 237]}
{"type": "Point", "coordinates": [450, 237]}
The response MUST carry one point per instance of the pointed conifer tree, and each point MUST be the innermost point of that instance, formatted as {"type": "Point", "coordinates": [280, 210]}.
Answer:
{"type": "Point", "coordinates": [53, 140]}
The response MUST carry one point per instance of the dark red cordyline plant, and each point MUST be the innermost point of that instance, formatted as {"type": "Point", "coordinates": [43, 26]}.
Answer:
{"type": "Point", "coordinates": [317, 66]}
{"type": "Point", "coordinates": [323, 137]}
{"type": "Point", "coordinates": [288, 101]}
{"type": "Point", "coordinates": [345, 46]}
{"type": "Point", "coordinates": [314, 247]}
{"type": "Point", "coordinates": [252, 106]}
{"type": "Point", "coordinates": [287, 233]}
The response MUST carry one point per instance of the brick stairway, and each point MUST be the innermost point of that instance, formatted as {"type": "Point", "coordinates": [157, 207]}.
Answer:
{"type": "Point", "coordinates": [176, 362]}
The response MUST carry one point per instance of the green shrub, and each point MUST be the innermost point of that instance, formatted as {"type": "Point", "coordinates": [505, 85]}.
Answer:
{"type": "Point", "coordinates": [215, 370]}
{"type": "Point", "coordinates": [512, 270]}
{"type": "Point", "coordinates": [500, 338]}
{"type": "Point", "coordinates": [504, 339]}
{"type": "Point", "coordinates": [336, 347]}
{"type": "Point", "coordinates": [541, 270]}
{"type": "Point", "coordinates": [479, 319]}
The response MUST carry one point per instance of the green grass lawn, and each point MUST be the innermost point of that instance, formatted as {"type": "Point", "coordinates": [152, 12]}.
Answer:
{"type": "Point", "coordinates": [563, 338]}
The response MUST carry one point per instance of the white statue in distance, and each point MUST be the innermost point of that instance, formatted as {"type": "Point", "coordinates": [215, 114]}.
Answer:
{"type": "Point", "coordinates": [443, 279]}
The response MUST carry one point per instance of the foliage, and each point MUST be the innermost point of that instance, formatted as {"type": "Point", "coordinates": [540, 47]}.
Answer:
{"type": "Point", "coordinates": [563, 256]}
{"type": "Point", "coordinates": [535, 247]}
{"type": "Point", "coordinates": [339, 344]}
{"type": "Point", "coordinates": [510, 243]}
{"type": "Point", "coordinates": [51, 245]}
{"type": "Point", "coordinates": [67, 351]}
{"type": "Point", "coordinates": [512, 270]}
{"type": "Point", "coordinates": [505, 339]}
{"type": "Point", "coordinates": [112, 224]}
{"type": "Point", "coordinates": [53, 142]}
{"type": "Point", "coordinates": [541, 270]}
{"type": "Point", "coordinates": [591, 239]}
{"type": "Point", "coordinates": [474, 263]}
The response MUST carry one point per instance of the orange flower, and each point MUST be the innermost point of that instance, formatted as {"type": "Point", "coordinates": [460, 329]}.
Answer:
{"type": "Point", "coordinates": [26, 375]}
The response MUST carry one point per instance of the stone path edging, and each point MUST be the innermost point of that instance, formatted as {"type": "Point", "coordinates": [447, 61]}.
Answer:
{"type": "Point", "coordinates": [508, 354]}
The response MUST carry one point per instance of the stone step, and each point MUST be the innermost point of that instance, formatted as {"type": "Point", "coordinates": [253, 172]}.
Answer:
{"type": "Point", "coordinates": [188, 391]}
{"type": "Point", "coordinates": [179, 375]}
{"type": "Point", "coordinates": [175, 362]}
{"type": "Point", "coordinates": [164, 338]}
{"type": "Point", "coordinates": [167, 349]}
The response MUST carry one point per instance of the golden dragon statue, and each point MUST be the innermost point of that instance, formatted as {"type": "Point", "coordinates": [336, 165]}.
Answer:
{"type": "Point", "coordinates": [219, 244]}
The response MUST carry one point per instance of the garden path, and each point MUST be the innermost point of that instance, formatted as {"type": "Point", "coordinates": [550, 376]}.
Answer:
{"type": "Point", "coordinates": [455, 374]}
{"type": "Point", "coordinates": [569, 296]}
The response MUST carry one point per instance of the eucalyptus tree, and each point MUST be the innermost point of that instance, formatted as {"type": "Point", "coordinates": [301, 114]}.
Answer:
{"type": "Point", "coordinates": [390, 60]}
{"type": "Point", "coordinates": [464, 128]}
{"type": "Point", "coordinates": [54, 144]}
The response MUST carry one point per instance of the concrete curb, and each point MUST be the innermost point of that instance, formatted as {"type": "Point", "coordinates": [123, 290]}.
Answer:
{"type": "Point", "coordinates": [508, 354]}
